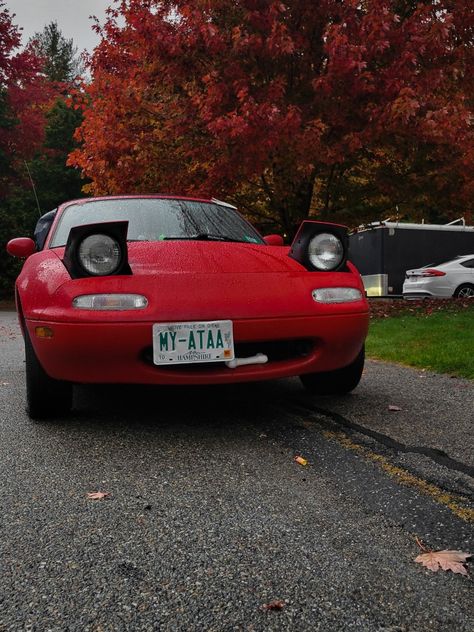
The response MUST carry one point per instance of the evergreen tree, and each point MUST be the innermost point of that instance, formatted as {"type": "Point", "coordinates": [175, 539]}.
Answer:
{"type": "Point", "coordinates": [55, 182]}
{"type": "Point", "coordinates": [62, 64]}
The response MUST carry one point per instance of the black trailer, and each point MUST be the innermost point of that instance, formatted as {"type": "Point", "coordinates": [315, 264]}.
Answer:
{"type": "Point", "coordinates": [388, 249]}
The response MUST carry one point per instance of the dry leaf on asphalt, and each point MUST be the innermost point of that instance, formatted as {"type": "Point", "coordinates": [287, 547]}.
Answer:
{"type": "Point", "coordinates": [392, 407]}
{"type": "Point", "coordinates": [300, 460]}
{"type": "Point", "coordinates": [97, 495]}
{"type": "Point", "coordinates": [447, 560]}
{"type": "Point", "coordinates": [276, 604]}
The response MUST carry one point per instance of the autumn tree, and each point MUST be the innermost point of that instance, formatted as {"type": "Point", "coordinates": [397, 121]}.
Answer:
{"type": "Point", "coordinates": [22, 99]}
{"type": "Point", "coordinates": [36, 136]}
{"type": "Point", "coordinates": [23, 96]}
{"type": "Point", "coordinates": [348, 110]}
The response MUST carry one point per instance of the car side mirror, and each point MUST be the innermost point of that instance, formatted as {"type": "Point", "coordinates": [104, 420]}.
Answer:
{"type": "Point", "coordinates": [21, 247]}
{"type": "Point", "coordinates": [273, 240]}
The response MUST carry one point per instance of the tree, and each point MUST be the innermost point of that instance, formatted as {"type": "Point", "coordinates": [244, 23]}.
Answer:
{"type": "Point", "coordinates": [36, 135]}
{"type": "Point", "coordinates": [24, 95]}
{"type": "Point", "coordinates": [61, 62]}
{"type": "Point", "coordinates": [344, 109]}
{"type": "Point", "coordinates": [55, 182]}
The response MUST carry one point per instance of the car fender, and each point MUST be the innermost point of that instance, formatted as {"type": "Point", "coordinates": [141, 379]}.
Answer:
{"type": "Point", "coordinates": [42, 275]}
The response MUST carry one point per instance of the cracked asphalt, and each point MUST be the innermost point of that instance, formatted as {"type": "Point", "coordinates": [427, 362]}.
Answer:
{"type": "Point", "coordinates": [209, 518]}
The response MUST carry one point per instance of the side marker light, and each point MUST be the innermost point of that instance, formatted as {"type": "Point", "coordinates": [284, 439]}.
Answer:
{"type": "Point", "coordinates": [44, 332]}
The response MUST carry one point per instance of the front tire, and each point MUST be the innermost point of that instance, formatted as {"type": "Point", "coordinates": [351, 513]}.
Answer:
{"type": "Point", "coordinates": [45, 396]}
{"type": "Point", "coordinates": [466, 290]}
{"type": "Point", "coordinates": [336, 382]}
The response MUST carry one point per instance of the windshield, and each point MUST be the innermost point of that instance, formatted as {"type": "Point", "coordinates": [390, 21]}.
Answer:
{"type": "Point", "coordinates": [154, 219]}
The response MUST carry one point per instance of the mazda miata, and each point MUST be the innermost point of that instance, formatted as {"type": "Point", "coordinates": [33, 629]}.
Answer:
{"type": "Point", "coordinates": [171, 290]}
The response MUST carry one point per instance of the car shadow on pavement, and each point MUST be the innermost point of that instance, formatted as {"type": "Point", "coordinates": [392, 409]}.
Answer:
{"type": "Point", "coordinates": [134, 406]}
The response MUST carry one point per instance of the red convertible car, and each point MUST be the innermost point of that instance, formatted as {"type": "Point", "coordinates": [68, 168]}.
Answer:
{"type": "Point", "coordinates": [171, 290]}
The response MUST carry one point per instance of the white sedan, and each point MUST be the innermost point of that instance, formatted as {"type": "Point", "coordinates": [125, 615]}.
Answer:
{"type": "Point", "coordinates": [453, 278]}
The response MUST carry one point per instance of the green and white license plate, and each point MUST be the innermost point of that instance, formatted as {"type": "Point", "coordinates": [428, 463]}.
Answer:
{"type": "Point", "coordinates": [187, 343]}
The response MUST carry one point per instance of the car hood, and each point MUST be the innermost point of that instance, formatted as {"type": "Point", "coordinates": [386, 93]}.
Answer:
{"type": "Point", "coordinates": [208, 257]}
{"type": "Point", "coordinates": [192, 280]}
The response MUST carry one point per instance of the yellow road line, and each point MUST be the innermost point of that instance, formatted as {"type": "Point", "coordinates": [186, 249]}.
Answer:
{"type": "Point", "coordinates": [452, 502]}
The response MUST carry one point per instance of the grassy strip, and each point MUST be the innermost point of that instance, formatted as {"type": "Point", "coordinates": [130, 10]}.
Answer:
{"type": "Point", "coordinates": [442, 342]}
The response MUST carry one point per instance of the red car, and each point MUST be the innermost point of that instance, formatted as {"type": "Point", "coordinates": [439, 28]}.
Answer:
{"type": "Point", "coordinates": [170, 290]}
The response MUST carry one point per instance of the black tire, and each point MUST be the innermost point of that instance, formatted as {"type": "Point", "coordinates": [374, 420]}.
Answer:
{"type": "Point", "coordinates": [336, 382]}
{"type": "Point", "coordinates": [45, 397]}
{"type": "Point", "coordinates": [466, 290]}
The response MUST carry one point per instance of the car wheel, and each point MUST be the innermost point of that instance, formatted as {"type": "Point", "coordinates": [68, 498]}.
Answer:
{"type": "Point", "coordinates": [335, 382]}
{"type": "Point", "coordinates": [464, 291]}
{"type": "Point", "coordinates": [45, 397]}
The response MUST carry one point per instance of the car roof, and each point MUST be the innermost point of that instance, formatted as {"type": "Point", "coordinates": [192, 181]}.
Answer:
{"type": "Point", "coordinates": [99, 198]}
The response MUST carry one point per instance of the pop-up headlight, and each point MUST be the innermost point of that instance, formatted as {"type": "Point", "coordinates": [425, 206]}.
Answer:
{"type": "Point", "coordinates": [320, 246]}
{"type": "Point", "coordinates": [97, 250]}
{"type": "Point", "coordinates": [99, 254]}
{"type": "Point", "coordinates": [325, 251]}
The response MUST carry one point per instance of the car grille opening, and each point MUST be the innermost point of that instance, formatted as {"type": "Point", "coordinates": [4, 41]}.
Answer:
{"type": "Point", "coordinates": [275, 350]}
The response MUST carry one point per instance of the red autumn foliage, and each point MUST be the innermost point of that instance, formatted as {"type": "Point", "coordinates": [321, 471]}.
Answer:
{"type": "Point", "coordinates": [286, 106]}
{"type": "Point", "coordinates": [24, 94]}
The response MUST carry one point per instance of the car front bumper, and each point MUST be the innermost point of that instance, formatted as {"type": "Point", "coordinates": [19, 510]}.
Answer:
{"type": "Point", "coordinates": [99, 352]}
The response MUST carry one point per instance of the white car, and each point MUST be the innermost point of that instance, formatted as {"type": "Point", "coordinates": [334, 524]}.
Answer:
{"type": "Point", "coordinates": [453, 278]}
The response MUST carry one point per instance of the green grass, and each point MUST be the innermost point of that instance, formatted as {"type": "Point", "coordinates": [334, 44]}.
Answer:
{"type": "Point", "coordinates": [442, 342]}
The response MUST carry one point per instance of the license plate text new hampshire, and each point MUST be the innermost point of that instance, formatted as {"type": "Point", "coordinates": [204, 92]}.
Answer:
{"type": "Point", "coordinates": [179, 343]}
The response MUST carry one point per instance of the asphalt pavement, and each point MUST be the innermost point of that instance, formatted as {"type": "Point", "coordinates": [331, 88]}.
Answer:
{"type": "Point", "coordinates": [209, 519]}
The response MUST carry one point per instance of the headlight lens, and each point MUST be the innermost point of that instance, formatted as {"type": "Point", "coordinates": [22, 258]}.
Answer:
{"type": "Point", "coordinates": [100, 254]}
{"type": "Point", "coordinates": [110, 302]}
{"type": "Point", "coordinates": [337, 295]}
{"type": "Point", "coordinates": [325, 251]}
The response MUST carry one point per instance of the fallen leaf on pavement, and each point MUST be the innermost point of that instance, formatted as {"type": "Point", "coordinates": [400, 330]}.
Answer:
{"type": "Point", "coordinates": [97, 495]}
{"type": "Point", "coordinates": [300, 460]}
{"type": "Point", "coordinates": [276, 604]}
{"type": "Point", "coordinates": [447, 560]}
{"type": "Point", "coordinates": [392, 407]}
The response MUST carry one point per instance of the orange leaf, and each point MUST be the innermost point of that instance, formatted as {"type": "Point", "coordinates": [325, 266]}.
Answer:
{"type": "Point", "coordinates": [276, 604]}
{"type": "Point", "coordinates": [300, 460]}
{"type": "Point", "coordinates": [97, 495]}
{"type": "Point", "coordinates": [446, 560]}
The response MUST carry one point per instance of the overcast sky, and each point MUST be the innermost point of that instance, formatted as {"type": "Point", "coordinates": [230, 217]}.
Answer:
{"type": "Point", "coordinates": [72, 17]}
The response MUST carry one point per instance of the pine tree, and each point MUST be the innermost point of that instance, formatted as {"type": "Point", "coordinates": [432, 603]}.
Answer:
{"type": "Point", "coordinates": [62, 64]}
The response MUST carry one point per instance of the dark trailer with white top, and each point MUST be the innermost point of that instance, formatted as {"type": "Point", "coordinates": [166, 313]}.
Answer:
{"type": "Point", "coordinates": [383, 252]}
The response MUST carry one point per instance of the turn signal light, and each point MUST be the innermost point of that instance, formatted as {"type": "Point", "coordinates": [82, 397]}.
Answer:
{"type": "Point", "coordinates": [110, 302]}
{"type": "Point", "coordinates": [44, 332]}
{"type": "Point", "coordinates": [337, 295]}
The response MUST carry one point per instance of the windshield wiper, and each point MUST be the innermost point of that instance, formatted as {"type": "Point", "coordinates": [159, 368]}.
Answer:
{"type": "Point", "coordinates": [206, 237]}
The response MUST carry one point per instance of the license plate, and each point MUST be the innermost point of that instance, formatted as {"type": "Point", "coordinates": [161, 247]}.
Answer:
{"type": "Point", "coordinates": [187, 343]}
